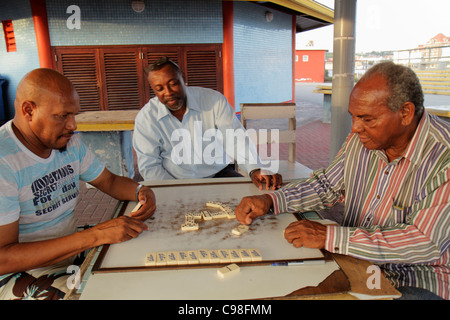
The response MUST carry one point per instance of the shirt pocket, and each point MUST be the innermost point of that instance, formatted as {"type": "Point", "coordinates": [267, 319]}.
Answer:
{"type": "Point", "coordinates": [396, 215]}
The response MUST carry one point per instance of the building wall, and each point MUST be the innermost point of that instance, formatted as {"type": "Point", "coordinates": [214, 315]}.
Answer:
{"type": "Point", "coordinates": [14, 65]}
{"type": "Point", "coordinates": [310, 65]}
{"type": "Point", "coordinates": [114, 22]}
{"type": "Point", "coordinates": [262, 55]}
{"type": "Point", "coordinates": [104, 23]}
{"type": "Point", "coordinates": [262, 50]}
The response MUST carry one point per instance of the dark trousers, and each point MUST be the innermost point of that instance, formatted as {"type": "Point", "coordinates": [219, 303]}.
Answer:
{"type": "Point", "coordinates": [228, 172]}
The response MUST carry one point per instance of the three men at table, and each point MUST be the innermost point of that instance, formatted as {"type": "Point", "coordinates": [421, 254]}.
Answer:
{"type": "Point", "coordinates": [392, 174]}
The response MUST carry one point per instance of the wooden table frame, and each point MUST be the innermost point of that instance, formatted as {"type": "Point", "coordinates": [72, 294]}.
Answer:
{"type": "Point", "coordinates": [343, 284]}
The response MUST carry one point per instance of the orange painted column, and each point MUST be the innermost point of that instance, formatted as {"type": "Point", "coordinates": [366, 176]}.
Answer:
{"type": "Point", "coordinates": [294, 29]}
{"type": "Point", "coordinates": [39, 11]}
{"type": "Point", "coordinates": [228, 52]}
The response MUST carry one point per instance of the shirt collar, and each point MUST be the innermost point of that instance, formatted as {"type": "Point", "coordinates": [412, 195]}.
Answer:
{"type": "Point", "coordinates": [414, 150]}
{"type": "Point", "coordinates": [415, 147]}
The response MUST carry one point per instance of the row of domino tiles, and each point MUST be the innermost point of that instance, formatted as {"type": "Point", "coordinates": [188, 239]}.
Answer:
{"type": "Point", "coordinates": [202, 256]}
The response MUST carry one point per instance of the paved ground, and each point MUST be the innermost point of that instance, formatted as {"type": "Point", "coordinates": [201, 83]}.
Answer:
{"type": "Point", "coordinates": [313, 144]}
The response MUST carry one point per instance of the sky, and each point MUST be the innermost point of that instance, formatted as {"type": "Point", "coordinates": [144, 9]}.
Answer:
{"type": "Point", "coordinates": [383, 25]}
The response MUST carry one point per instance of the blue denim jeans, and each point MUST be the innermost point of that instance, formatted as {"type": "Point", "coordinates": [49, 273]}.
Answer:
{"type": "Point", "coordinates": [411, 293]}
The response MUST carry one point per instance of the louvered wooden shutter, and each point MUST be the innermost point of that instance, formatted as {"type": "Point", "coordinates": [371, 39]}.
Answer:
{"type": "Point", "coordinates": [113, 78]}
{"type": "Point", "coordinates": [203, 68]}
{"type": "Point", "coordinates": [80, 67]}
{"type": "Point", "coordinates": [122, 85]}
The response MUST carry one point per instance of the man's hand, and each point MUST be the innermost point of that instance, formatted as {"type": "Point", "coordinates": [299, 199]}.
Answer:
{"type": "Point", "coordinates": [306, 233]}
{"type": "Point", "coordinates": [148, 200]}
{"type": "Point", "coordinates": [273, 181]}
{"type": "Point", "coordinates": [117, 230]}
{"type": "Point", "coordinates": [252, 207]}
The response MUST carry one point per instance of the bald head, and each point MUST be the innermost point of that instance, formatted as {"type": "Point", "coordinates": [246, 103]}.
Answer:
{"type": "Point", "coordinates": [46, 104]}
{"type": "Point", "coordinates": [38, 84]}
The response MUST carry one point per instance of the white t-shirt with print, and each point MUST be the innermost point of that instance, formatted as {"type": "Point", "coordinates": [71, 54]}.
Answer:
{"type": "Point", "coordinates": [42, 193]}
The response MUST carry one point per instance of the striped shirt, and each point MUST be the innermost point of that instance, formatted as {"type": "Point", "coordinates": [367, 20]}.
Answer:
{"type": "Point", "coordinates": [397, 214]}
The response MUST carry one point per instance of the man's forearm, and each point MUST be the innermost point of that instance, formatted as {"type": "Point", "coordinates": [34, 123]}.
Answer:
{"type": "Point", "coordinates": [16, 257]}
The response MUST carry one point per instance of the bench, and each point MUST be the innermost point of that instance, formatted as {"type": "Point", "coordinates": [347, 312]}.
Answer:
{"type": "Point", "coordinates": [326, 91]}
{"type": "Point", "coordinates": [434, 81]}
{"type": "Point", "coordinates": [442, 112]}
{"type": "Point", "coordinates": [109, 135]}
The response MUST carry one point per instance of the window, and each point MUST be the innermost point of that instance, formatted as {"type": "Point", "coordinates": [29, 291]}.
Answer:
{"type": "Point", "coordinates": [305, 58]}
{"type": "Point", "coordinates": [10, 39]}
{"type": "Point", "coordinates": [113, 78]}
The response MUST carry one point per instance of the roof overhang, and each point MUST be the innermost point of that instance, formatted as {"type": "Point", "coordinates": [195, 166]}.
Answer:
{"type": "Point", "coordinates": [309, 14]}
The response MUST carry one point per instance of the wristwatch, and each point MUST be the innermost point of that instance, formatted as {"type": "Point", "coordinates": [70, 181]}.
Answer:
{"type": "Point", "coordinates": [253, 171]}
{"type": "Point", "coordinates": [137, 191]}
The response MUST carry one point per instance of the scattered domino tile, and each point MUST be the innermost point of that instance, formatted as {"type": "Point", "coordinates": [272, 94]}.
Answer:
{"type": "Point", "coordinates": [150, 259]}
{"type": "Point", "coordinates": [214, 204]}
{"type": "Point", "coordinates": [231, 214]}
{"type": "Point", "coordinates": [137, 207]}
{"type": "Point", "coordinates": [206, 215]}
{"type": "Point", "coordinates": [189, 219]}
{"type": "Point", "coordinates": [228, 270]}
{"type": "Point", "coordinates": [255, 254]}
{"type": "Point", "coordinates": [218, 215]}
{"type": "Point", "coordinates": [239, 229]}
{"type": "Point", "coordinates": [189, 226]}
{"type": "Point", "coordinates": [194, 215]}
{"type": "Point", "coordinates": [225, 208]}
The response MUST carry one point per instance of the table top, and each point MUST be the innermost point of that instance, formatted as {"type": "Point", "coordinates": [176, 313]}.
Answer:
{"type": "Point", "coordinates": [252, 282]}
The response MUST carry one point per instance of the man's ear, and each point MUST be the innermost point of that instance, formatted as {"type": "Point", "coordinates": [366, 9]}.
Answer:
{"type": "Point", "coordinates": [28, 108]}
{"type": "Point", "coordinates": [407, 112]}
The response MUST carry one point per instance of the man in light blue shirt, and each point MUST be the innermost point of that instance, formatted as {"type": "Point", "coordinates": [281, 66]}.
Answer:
{"type": "Point", "coordinates": [192, 132]}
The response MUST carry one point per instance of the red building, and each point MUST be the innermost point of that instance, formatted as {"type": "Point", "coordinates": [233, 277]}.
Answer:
{"type": "Point", "coordinates": [310, 65]}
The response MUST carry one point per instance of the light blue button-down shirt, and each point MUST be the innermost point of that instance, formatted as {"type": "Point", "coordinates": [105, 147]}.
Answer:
{"type": "Point", "coordinates": [196, 147]}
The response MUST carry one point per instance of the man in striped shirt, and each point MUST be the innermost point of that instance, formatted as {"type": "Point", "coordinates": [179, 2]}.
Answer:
{"type": "Point", "coordinates": [392, 173]}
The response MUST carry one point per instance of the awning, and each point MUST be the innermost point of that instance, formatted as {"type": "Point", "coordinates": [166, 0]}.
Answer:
{"type": "Point", "coordinates": [309, 14]}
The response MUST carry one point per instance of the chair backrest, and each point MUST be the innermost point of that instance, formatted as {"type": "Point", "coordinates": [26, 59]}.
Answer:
{"type": "Point", "coordinates": [273, 111]}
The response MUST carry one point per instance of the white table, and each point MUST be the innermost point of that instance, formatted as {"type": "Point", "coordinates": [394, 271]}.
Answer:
{"type": "Point", "coordinates": [123, 275]}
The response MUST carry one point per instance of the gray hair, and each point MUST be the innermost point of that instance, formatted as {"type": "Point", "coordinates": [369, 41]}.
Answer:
{"type": "Point", "coordinates": [403, 83]}
{"type": "Point", "coordinates": [160, 63]}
